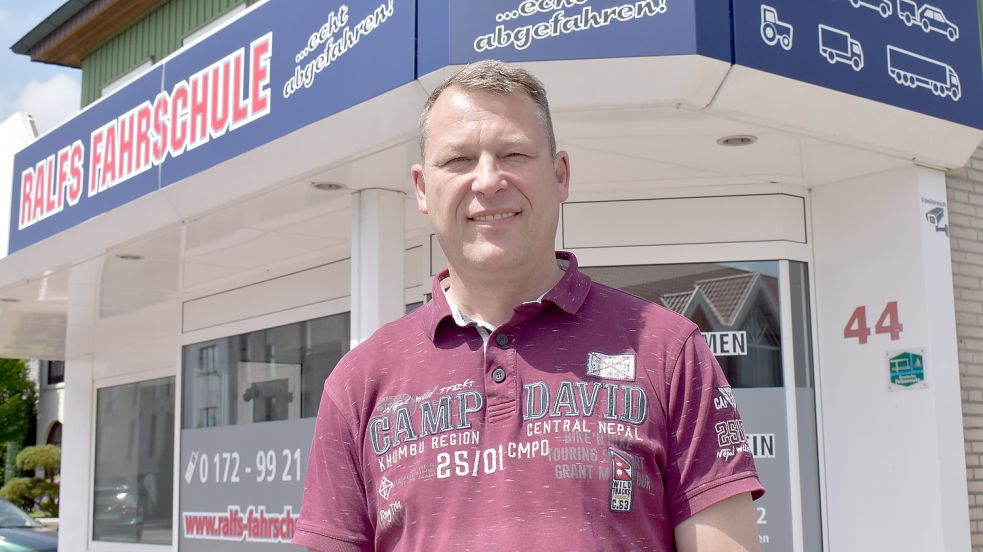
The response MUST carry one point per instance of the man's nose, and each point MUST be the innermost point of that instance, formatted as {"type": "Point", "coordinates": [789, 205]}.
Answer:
{"type": "Point", "coordinates": [488, 178]}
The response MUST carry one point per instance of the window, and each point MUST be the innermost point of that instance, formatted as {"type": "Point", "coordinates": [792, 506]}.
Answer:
{"type": "Point", "coordinates": [127, 78]}
{"type": "Point", "coordinates": [56, 371]}
{"type": "Point", "coordinates": [209, 27]}
{"type": "Point", "coordinates": [54, 435]}
{"type": "Point", "coordinates": [262, 376]}
{"type": "Point", "coordinates": [133, 492]}
{"type": "Point", "coordinates": [208, 359]}
{"type": "Point", "coordinates": [736, 306]}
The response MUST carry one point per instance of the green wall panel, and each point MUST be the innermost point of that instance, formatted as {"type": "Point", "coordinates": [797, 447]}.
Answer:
{"type": "Point", "coordinates": [154, 37]}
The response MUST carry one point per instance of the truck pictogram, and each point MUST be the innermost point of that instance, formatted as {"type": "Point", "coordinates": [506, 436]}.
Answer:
{"type": "Point", "coordinates": [838, 46]}
{"type": "Point", "coordinates": [914, 70]}
{"type": "Point", "coordinates": [774, 31]}
{"type": "Point", "coordinates": [928, 17]}
{"type": "Point", "coordinates": [882, 6]}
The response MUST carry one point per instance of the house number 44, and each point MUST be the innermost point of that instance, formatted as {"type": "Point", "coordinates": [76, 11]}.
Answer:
{"type": "Point", "coordinates": [887, 323]}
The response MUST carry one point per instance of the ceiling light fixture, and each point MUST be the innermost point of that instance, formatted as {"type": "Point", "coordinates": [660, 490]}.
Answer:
{"type": "Point", "coordinates": [129, 257]}
{"type": "Point", "coordinates": [737, 140]}
{"type": "Point", "coordinates": [327, 186]}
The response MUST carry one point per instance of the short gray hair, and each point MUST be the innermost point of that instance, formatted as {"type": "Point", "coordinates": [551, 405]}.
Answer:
{"type": "Point", "coordinates": [497, 77]}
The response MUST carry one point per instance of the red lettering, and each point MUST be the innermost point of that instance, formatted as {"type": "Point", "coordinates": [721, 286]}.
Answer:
{"type": "Point", "coordinates": [124, 158]}
{"type": "Point", "coordinates": [259, 74]}
{"type": "Point", "coordinates": [199, 109]}
{"type": "Point", "coordinates": [179, 118]}
{"type": "Point", "coordinates": [74, 189]}
{"type": "Point", "coordinates": [219, 98]}
{"type": "Point", "coordinates": [142, 150]}
{"type": "Point", "coordinates": [42, 185]}
{"type": "Point", "coordinates": [64, 176]}
{"type": "Point", "coordinates": [161, 105]}
{"type": "Point", "coordinates": [26, 197]}
{"type": "Point", "coordinates": [109, 155]}
{"type": "Point", "coordinates": [240, 108]}
{"type": "Point", "coordinates": [95, 161]}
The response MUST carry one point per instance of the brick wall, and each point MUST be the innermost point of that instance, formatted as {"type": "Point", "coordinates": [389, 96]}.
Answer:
{"type": "Point", "coordinates": [965, 197]}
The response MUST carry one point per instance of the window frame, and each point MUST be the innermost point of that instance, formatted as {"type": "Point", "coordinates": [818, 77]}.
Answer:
{"type": "Point", "coordinates": [114, 381]}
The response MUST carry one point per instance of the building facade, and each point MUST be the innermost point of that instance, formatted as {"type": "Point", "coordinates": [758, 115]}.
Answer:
{"type": "Point", "coordinates": [231, 212]}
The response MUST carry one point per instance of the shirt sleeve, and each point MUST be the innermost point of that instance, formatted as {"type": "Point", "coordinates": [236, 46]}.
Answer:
{"type": "Point", "coordinates": [709, 459]}
{"type": "Point", "coordinates": [333, 515]}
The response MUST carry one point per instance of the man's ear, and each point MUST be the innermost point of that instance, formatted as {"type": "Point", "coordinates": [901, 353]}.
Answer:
{"type": "Point", "coordinates": [420, 185]}
{"type": "Point", "coordinates": [561, 167]}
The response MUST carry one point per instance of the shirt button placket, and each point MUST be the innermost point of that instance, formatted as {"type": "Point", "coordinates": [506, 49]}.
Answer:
{"type": "Point", "coordinates": [500, 371]}
{"type": "Point", "coordinates": [498, 375]}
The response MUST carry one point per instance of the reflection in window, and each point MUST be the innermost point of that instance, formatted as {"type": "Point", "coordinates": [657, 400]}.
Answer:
{"type": "Point", "coordinates": [54, 434]}
{"type": "Point", "coordinates": [132, 492]}
{"type": "Point", "coordinates": [56, 371]}
{"type": "Point", "coordinates": [736, 306]}
{"type": "Point", "coordinates": [262, 376]}
{"type": "Point", "coordinates": [208, 359]}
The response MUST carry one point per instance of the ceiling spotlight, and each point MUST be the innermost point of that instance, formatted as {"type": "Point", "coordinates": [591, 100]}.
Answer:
{"type": "Point", "coordinates": [9, 300]}
{"type": "Point", "coordinates": [129, 257]}
{"type": "Point", "coordinates": [737, 140]}
{"type": "Point", "coordinates": [327, 186]}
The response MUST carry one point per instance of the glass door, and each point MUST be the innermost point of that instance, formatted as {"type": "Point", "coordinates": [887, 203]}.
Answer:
{"type": "Point", "coordinates": [755, 318]}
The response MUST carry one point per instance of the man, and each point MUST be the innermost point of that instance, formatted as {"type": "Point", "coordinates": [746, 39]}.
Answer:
{"type": "Point", "coordinates": [524, 407]}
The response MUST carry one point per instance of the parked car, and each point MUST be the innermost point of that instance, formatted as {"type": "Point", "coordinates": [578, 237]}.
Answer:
{"type": "Point", "coordinates": [117, 513]}
{"type": "Point", "coordinates": [20, 532]}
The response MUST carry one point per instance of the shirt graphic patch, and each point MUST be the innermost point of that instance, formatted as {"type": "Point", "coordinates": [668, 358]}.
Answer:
{"type": "Point", "coordinates": [616, 367]}
{"type": "Point", "coordinates": [621, 482]}
{"type": "Point", "coordinates": [385, 487]}
{"type": "Point", "coordinates": [725, 399]}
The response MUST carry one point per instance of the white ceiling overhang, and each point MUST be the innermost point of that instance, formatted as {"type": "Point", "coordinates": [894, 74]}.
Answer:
{"type": "Point", "coordinates": [631, 125]}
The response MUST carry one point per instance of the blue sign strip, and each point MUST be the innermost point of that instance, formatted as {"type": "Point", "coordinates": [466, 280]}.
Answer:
{"type": "Point", "coordinates": [268, 74]}
{"type": "Point", "coordinates": [285, 65]}
{"type": "Point", "coordinates": [915, 54]}
{"type": "Point", "coordinates": [463, 31]}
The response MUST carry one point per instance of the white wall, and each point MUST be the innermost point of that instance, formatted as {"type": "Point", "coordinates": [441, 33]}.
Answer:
{"type": "Point", "coordinates": [895, 466]}
{"type": "Point", "coordinates": [104, 348]}
{"type": "Point", "coordinates": [15, 132]}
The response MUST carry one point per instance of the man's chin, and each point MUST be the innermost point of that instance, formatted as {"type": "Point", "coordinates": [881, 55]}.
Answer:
{"type": "Point", "coordinates": [490, 257]}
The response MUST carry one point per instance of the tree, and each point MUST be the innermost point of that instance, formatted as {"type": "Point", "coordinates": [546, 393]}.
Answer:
{"type": "Point", "coordinates": [17, 402]}
{"type": "Point", "coordinates": [36, 493]}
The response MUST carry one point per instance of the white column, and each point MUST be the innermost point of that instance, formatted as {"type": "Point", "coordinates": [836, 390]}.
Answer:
{"type": "Point", "coordinates": [377, 260]}
{"type": "Point", "coordinates": [895, 458]}
{"type": "Point", "coordinates": [77, 454]}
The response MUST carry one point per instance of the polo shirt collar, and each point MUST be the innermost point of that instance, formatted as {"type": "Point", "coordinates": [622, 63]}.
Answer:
{"type": "Point", "coordinates": [568, 294]}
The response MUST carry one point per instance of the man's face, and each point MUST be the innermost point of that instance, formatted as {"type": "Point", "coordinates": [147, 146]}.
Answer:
{"type": "Point", "coordinates": [488, 181]}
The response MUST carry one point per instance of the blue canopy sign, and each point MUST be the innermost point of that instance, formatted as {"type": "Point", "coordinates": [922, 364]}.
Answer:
{"type": "Point", "coordinates": [271, 72]}
{"type": "Point", "coordinates": [917, 55]}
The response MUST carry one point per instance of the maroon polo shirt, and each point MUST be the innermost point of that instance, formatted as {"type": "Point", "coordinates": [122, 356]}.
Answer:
{"type": "Point", "coordinates": [592, 420]}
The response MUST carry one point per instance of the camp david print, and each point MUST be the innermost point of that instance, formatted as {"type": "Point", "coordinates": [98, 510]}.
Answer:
{"type": "Point", "coordinates": [591, 431]}
{"type": "Point", "coordinates": [585, 429]}
{"type": "Point", "coordinates": [621, 481]}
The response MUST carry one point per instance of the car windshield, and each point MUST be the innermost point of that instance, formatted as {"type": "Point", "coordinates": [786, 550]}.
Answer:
{"type": "Point", "coordinates": [12, 516]}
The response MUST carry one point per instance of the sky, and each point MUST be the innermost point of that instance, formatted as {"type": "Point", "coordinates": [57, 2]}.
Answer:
{"type": "Point", "coordinates": [50, 93]}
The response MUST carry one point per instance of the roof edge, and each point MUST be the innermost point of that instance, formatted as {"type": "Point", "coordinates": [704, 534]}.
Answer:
{"type": "Point", "coordinates": [41, 31]}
